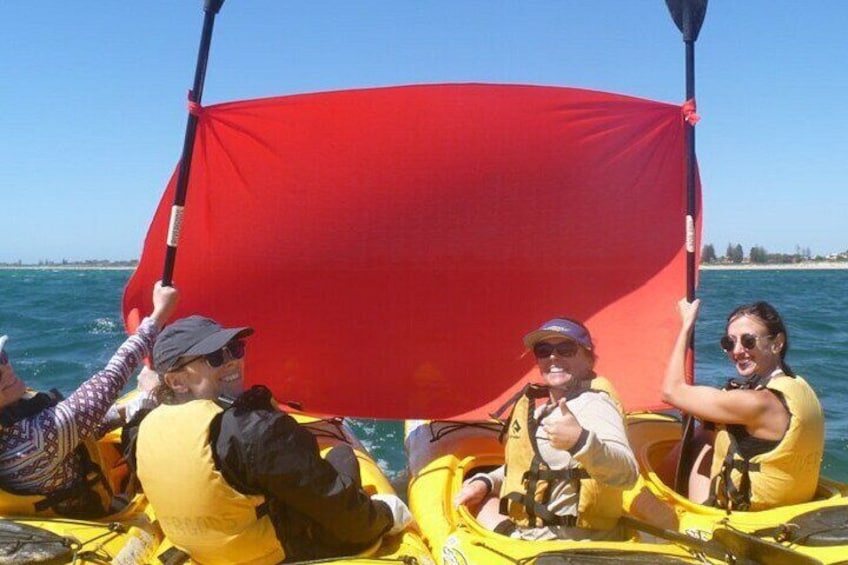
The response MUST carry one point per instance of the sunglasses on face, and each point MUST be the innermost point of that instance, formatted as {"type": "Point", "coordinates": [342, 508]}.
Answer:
{"type": "Point", "coordinates": [748, 341]}
{"type": "Point", "coordinates": [563, 349]}
{"type": "Point", "coordinates": [231, 351]}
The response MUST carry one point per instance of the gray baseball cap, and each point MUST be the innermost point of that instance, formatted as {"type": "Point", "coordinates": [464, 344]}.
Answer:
{"type": "Point", "coordinates": [191, 337]}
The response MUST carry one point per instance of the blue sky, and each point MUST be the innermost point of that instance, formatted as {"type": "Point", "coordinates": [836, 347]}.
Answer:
{"type": "Point", "coordinates": [93, 97]}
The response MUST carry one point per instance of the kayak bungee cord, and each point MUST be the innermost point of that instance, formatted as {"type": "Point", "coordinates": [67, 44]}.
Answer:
{"type": "Point", "coordinates": [336, 431]}
{"type": "Point", "coordinates": [77, 551]}
{"type": "Point", "coordinates": [441, 428]}
{"type": "Point", "coordinates": [98, 553]}
{"type": "Point", "coordinates": [402, 559]}
{"type": "Point", "coordinates": [588, 556]}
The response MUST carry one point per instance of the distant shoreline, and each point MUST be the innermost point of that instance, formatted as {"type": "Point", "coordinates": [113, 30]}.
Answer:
{"type": "Point", "coordinates": [67, 267]}
{"type": "Point", "coordinates": [803, 266]}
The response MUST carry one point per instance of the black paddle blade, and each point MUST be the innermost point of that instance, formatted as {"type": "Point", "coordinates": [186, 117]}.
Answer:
{"type": "Point", "coordinates": [751, 548]}
{"type": "Point", "coordinates": [688, 15]}
{"type": "Point", "coordinates": [213, 6]}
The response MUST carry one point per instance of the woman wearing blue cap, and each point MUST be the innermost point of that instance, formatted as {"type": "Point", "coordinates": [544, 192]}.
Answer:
{"type": "Point", "coordinates": [573, 488]}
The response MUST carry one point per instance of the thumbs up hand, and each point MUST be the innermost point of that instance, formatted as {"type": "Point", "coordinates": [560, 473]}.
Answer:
{"type": "Point", "coordinates": [563, 429]}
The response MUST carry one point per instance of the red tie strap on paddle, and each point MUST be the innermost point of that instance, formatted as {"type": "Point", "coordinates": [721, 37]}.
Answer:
{"type": "Point", "coordinates": [194, 108]}
{"type": "Point", "coordinates": [689, 112]}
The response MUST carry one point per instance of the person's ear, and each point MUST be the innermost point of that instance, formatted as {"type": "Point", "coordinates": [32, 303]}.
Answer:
{"type": "Point", "coordinates": [778, 343]}
{"type": "Point", "coordinates": [176, 382]}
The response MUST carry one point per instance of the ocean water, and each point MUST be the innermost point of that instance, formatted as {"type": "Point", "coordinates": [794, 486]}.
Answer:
{"type": "Point", "coordinates": [64, 325]}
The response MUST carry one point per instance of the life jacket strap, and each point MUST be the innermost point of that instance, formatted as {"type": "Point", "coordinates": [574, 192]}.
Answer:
{"type": "Point", "coordinates": [536, 511]}
{"type": "Point", "coordinates": [534, 391]}
{"type": "Point", "coordinates": [88, 498]}
{"type": "Point", "coordinates": [563, 475]}
{"type": "Point", "coordinates": [723, 491]}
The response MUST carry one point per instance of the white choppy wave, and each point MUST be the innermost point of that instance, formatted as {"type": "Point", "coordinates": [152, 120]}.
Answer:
{"type": "Point", "coordinates": [366, 433]}
{"type": "Point", "coordinates": [103, 326]}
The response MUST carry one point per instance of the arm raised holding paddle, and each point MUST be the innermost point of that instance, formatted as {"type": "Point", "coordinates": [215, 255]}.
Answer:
{"type": "Point", "coordinates": [767, 409]}
{"type": "Point", "coordinates": [43, 437]}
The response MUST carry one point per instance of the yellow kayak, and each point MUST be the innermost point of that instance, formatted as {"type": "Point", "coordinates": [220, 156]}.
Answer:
{"type": "Point", "coordinates": [406, 548]}
{"type": "Point", "coordinates": [132, 536]}
{"type": "Point", "coordinates": [128, 537]}
{"type": "Point", "coordinates": [442, 454]}
{"type": "Point", "coordinates": [817, 529]}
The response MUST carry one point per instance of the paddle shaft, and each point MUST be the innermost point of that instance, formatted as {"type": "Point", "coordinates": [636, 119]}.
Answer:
{"type": "Point", "coordinates": [728, 545]}
{"type": "Point", "coordinates": [210, 8]}
{"type": "Point", "coordinates": [708, 548]}
{"type": "Point", "coordinates": [689, 13]}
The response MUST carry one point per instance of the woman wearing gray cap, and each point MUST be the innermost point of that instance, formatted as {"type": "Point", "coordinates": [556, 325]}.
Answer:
{"type": "Point", "coordinates": [578, 431]}
{"type": "Point", "coordinates": [232, 478]}
{"type": "Point", "coordinates": [43, 437]}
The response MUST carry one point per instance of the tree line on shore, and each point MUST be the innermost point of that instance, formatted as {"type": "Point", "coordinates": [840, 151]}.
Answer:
{"type": "Point", "coordinates": [92, 263]}
{"type": "Point", "coordinates": [734, 254]}
{"type": "Point", "coordinates": [759, 255]}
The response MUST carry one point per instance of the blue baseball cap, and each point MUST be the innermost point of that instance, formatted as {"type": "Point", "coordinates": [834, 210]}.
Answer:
{"type": "Point", "coordinates": [560, 327]}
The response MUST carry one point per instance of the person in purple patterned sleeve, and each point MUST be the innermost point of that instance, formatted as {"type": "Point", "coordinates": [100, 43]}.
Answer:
{"type": "Point", "coordinates": [42, 436]}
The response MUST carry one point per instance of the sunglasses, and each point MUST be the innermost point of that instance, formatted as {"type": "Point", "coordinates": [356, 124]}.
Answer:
{"type": "Point", "coordinates": [748, 341]}
{"type": "Point", "coordinates": [4, 358]}
{"type": "Point", "coordinates": [563, 349]}
{"type": "Point", "coordinates": [231, 351]}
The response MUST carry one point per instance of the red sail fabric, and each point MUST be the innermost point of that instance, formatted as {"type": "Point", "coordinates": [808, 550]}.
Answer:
{"type": "Point", "coordinates": [391, 246]}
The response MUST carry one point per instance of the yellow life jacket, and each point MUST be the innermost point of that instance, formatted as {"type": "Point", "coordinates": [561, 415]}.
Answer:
{"type": "Point", "coordinates": [787, 474]}
{"type": "Point", "coordinates": [196, 507]}
{"type": "Point", "coordinates": [528, 481]}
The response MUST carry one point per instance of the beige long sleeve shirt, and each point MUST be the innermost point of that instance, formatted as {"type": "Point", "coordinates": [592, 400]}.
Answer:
{"type": "Point", "coordinates": [606, 455]}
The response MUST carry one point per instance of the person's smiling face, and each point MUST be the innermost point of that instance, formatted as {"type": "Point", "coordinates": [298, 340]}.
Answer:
{"type": "Point", "coordinates": [202, 380]}
{"type": "Point", "coordinates": [753, 351]}
{"type": "Point", "coordinates": [562, 361]}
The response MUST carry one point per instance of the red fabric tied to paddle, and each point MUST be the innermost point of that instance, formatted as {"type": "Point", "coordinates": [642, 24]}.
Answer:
{"type": "Point", "coordinates": [392, 246]}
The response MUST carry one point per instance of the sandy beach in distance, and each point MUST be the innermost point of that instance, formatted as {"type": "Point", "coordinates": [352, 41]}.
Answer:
{"type": "Point", "coordinates": [66, 268]}
{"type": "Point", "coordinates": [806, 265]}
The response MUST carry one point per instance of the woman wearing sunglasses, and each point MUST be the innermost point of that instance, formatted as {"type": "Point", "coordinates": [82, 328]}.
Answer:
{"type": "Point", "coordinates": [47, 442]}
{"type": "Point", "coordinates": [574, 423]}
{"type": "Point", "coordinates": [769, 441]}
{"type": "Point", "coordinates": [232, 478]}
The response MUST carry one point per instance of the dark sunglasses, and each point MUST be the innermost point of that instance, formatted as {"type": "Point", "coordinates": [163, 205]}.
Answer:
{"type": "Point", "coordinates": [748, 341]}
{"type": "Point", "coordinates": [233, 350]}
{"type": "Point", "coordinates": [563, 349]}
{"type": "Point", "coordinates": [4, 358]}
